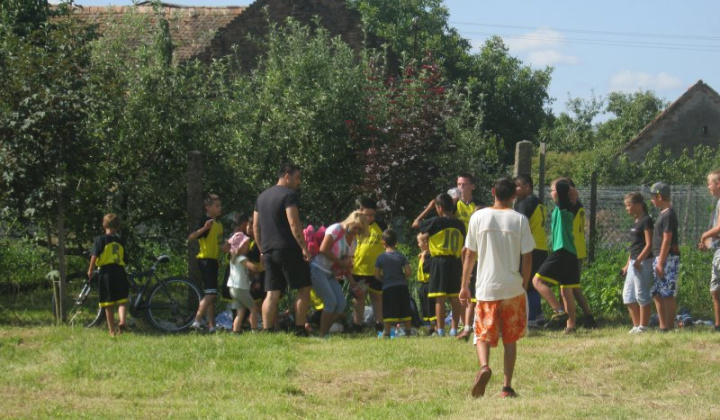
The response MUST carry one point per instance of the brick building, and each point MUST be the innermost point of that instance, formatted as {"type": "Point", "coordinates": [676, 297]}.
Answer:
{"type": "Point", "coordinates": [690, 121]}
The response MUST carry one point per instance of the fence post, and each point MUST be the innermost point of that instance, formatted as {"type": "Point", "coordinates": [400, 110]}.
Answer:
{"type": "Point", "coordinates": [593, 216]}
{"type": "Point", "coordinates": [541, 174]}
{"type": "Point", "coordinates": [194, 208]}
{"type": "Point", "coordinates": [523, 158]}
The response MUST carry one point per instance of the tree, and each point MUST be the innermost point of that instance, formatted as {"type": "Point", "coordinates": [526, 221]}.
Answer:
{"type": "Point", "coordinates": [512, 97]}
{"type": "Point", "coordinates": [574, 131]}
{"type": "Point", "coordinates": [42, 108]}
{"type": "Point", "coordinates": [413, 29]}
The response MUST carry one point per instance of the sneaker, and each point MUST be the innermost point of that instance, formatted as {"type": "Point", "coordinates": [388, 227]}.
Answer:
{"type": "Point", "coordinates": [633, 330]}
{"type": "Point", "coordinates": [557, 321]}
{"type": "Point", "coordinates": [453, 332]}
{"type": "Point", "coordinates": [481, 380]}
{"type": "Point", "coordinates": [589, 322]}
{"type": "Point", "coordinates": [464, 335]}
{"type": "Point", "coordinates": [569, 330]}
{"type": "Point", "coordinates": [195, 326]}
{"type": "Point", "coordinates": [716, 328]}
{"type": "Point", "coordinates": [508, 392]}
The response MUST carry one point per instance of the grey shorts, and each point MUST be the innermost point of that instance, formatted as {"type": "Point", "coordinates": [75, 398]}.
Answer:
{"type": "Point", "coordinates": [715, 278]}
{"type": "Point", "coordinates": [637, 283]}
{"type": "Point", "coordinates": [241, 298]}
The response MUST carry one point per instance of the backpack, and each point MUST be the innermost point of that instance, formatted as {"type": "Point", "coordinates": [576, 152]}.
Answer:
{"type": "Point", "coordinates": [314, 238]}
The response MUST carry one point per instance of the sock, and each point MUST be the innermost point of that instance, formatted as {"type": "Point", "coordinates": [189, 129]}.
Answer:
{"type": "Point", "coordinates": [466, 328]}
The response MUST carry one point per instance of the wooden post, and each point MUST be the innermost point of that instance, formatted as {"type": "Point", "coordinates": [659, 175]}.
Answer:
{"type": "Point", "coordinates": [523, 158]}
{"type": "Point", "coordinates": [194, 209]}
{"type": "Point", "coordinates": [541, 174]}
{"type": "Point", "coordinates": [593, 216]}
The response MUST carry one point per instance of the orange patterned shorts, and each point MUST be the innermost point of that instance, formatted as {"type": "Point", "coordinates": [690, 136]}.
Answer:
{"type": "Point", "coordinates": [501, 317]}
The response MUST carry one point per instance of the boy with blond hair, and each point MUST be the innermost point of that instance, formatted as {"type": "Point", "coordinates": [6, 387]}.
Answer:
{"type": "Point", "coordinates": [108, 254]}
{"type": "Point", "coordinates": [710, 240]}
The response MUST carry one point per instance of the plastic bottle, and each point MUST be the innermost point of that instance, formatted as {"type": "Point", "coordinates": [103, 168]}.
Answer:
{"type": "Point", "coordinates": [399, 331]}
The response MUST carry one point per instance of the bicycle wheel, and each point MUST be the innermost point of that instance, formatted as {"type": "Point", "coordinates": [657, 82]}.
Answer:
{"type": "Point", "coordinates": [172, 304]}
{"type": "Point", "coordinates": [86, 310]}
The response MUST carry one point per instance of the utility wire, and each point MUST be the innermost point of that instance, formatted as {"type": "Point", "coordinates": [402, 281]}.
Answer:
{"type": "Point", "coordinates": [683, 47]}
{"type": "Point", "coordinates": [597, 32]}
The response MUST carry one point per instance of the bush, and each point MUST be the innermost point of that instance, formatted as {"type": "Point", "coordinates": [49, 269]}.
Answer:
{"type": "Point", "coordinates": [603, 284]}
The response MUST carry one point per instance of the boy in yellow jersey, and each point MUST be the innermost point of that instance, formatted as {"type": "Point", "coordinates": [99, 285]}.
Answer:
{"type": "Point", "coordinates": [369, 247]}
{"type": "Point", "coordinates": [466, 206]}
{"type": "Point", "coordinates": [427, 304]}
{"type": "Point", "coordinates": [447, 238]}
{"type": "Point", "coordinates": [209, 235]}
{"type": "Point", "coordinates": [581, 248]}
{"type": "Point", "coordinates": [529, 205]}
{"type": "Point", "coordinates": [108, 254]}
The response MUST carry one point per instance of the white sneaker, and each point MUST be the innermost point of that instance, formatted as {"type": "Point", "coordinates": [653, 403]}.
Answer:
{"type": "Point", "coordinates": [633, 330]}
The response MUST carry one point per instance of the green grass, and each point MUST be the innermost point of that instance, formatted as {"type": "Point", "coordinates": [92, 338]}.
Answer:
{"type": "Point", "coordinates": [64, 372]}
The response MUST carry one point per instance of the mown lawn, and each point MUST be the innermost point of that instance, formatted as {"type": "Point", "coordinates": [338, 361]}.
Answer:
{"type": "Point", "coordinates": [64, 372]}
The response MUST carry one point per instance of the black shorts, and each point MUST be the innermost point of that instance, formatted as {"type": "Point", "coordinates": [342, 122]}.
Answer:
{"type": "Point", "coordinates": [113, 285]}
{"type": "Point", "coordinates": [285, 267]}
{"type": "Point", "coordinates": [396, 304]}
{"type": "Point", "coordinates": [257, 287]}
{"type": "Point", "coordinates": [374, 285]}
{"type": "Point", "coordinates": [427, 304]}
{"type": "Point", "coordinates": [209, 272]}
{"type": "Point", "coordinates": [473, 284]}
{"type": "Point", "coordinates": [538, 258]}
{"type": "Point", "coordinates": [560, 268]}
{"type": "Point", "coordinates": [445, 276]}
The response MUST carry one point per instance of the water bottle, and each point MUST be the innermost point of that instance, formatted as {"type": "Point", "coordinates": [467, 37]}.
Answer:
{"type": "Point", "coordinates": [399, 331]}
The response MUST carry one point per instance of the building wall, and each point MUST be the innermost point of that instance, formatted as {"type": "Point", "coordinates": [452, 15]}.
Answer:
{"type": "Point", "coordinates": [333, 14]}
{"type": "Point", "coordinates": [694, 122]}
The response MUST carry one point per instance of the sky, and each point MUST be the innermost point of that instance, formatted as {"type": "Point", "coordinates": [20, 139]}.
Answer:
{"type": "Point", "coordinates": [594, 47]}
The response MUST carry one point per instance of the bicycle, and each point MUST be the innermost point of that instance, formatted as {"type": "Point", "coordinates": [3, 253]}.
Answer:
{"type": "Point", "coordinates": [169, 304]}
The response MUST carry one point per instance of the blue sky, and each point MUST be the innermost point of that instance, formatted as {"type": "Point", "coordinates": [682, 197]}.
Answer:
{"type": "Point", "coordinates": [602, 46]}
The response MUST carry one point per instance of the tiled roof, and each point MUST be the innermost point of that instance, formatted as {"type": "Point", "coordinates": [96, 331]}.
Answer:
{"type": "Point", "coordinates": [207, 33]}
{"type": "Point", "coordinates": [192, 28]}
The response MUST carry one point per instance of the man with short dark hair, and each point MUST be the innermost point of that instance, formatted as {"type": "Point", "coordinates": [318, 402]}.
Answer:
{"type": "Point", "coordinates": [500, 238]}
{"type": "Point", "coordinates": [279, 235]}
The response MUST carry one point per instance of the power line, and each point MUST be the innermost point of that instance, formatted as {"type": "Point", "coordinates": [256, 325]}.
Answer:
{"type": "Point", "coordinates": [587, 41]}
{"type": "Point", "coordinates": [597, 32]}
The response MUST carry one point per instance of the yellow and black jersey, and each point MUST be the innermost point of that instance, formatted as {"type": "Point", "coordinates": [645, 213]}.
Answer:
{"type": "Point", "coordinates": [579, 230]}
{"type": "Point", "coordinates": [253, 254]}
{"type": "Point", "coordinates": [423, 270]}
{"type": "Point", "coordinates": [369, 247]}
{"type": "Point", "coordinates": [465, 210]}
{"type": "Point", "coordinates": [109, 249]}
{"type": "Point", "coordinates": [534, 210]}
{"type": "Point", "coordinates": [210, 240]}
{"type": "Point", "coordinates": [447, 236]}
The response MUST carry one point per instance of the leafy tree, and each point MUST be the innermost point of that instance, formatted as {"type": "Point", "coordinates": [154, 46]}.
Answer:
{"type": "Point", "coordinates": [414, 28]}
{"type": "Point", "coordinates": [512, 97]}
{"type": "Point", "coordinates": [574, 131]}
{"type": "Point", "coordinates": [633, 111]}
{"type": "Point", "coordinates": [42, 106]}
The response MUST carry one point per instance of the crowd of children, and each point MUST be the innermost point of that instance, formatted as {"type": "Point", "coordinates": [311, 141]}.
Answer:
{"type": "Point", "coordinates": [492, 264]}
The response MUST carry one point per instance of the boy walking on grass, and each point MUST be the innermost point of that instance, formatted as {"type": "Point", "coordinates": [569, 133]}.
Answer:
{"type": "Point", "coordinates": [393, 269]}
{"type": "Point", "coordinates": [108, 254]}
{"type": "Point", "coordinates": [711, 240]}
{"type": "Point", "coordinates": [497, 238]}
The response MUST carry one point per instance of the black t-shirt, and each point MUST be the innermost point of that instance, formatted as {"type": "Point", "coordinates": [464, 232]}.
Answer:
{"type": "Point", "coordinates": [637, 236]}
{"type": "Point", "coordinates": [275, 232]}
{"type": "Point", "coordinates": [666, 222]}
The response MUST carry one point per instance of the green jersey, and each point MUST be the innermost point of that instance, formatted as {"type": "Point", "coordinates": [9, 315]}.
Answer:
{"type": "Point", "coordinates": [562, 230]}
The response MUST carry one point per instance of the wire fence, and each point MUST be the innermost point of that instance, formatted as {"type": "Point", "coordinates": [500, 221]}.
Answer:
{"type": "Point", "coordinates": [692, 203]}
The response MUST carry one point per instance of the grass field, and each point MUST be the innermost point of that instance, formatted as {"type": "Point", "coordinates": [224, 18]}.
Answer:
{"type": "Point", "coordinates": [65, 372]}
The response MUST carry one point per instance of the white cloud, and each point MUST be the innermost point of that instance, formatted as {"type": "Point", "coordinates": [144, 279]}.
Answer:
{"type": "Point", "coordinates": [544, 58]}
{"type": "Point", "coordinates": [632, 81]}
{"type": "Point", "coordinates": [540, 39]}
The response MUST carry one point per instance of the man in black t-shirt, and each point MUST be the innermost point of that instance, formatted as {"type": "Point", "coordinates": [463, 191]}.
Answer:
{"type": "Point", "coordinates": [278, 233]}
